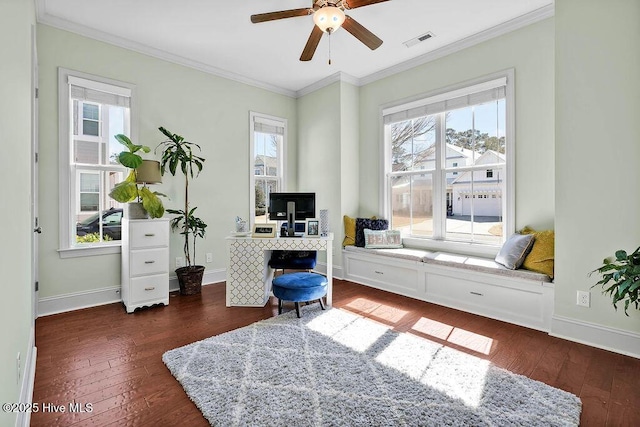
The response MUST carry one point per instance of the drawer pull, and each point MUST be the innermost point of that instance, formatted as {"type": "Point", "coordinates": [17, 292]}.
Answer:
{"type": "Point", "coordinates": [378, 272]}
{"type": "Point", "coordinates": [149, 262]}
{"type": "Point", "coordinates": [476, 293]}
{"type": "Point", "coordinates": [150, 288]}
{"type": "Point", "coordinates": [149, 234]}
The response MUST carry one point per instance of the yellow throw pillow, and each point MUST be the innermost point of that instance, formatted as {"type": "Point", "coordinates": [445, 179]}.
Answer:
{"type": "Point", "coordinates": [349, 231]}
{"type": "Point", "coordinates": [541, 258]}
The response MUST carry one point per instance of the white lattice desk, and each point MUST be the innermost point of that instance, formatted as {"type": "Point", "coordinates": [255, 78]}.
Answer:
{"type": "Point", "coordinates": [249, 275]}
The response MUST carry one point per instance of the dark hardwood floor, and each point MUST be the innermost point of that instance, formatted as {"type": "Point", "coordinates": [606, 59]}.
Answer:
{"type": "Point", "coordinates": [112, 360]}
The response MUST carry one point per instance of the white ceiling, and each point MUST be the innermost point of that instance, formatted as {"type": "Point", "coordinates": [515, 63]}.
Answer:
{"type": "Point", "coordinates": [217, 36]}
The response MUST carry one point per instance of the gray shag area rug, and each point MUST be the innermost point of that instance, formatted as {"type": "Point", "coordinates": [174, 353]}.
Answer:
{"type": "Point", "coordinates": [335, 368]}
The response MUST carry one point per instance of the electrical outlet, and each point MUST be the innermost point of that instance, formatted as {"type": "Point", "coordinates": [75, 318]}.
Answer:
{"type": "Point", "coordinates": [209, 257]}
{"type": "Point", "coordinates": [18, 369]}
{"type": "Point", "coordinates": [584, 299]}
{"type": "Point", "coordinates": [179, 262]}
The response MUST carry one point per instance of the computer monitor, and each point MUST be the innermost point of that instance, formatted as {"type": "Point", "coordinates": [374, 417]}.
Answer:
{"type": "Point", "coordinates": [291, 207]}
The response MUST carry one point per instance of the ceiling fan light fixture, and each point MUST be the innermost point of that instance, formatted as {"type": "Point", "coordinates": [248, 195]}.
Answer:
{"type": "Point", "coordinates": [329, 18]}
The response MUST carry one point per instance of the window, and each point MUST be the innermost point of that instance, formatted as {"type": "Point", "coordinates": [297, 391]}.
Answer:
{"type": "Point", "coordinates": [448, 163]}
{"type": "Point", "coordinates": [268, 138]}
{"type": "Point", "coordinates": [90, 119]}
{"type": "Point", "coordinates": [89, 192]}
{"type": "Point", "coordinates": [92, 111]}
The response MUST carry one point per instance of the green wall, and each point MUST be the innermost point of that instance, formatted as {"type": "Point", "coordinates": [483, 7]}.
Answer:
{"type": "Point", "coordinates": [349, 155]}
{"type": "Point", "coordinates": [333, 144]}
{"type": "Point", "coordinates": [208, 110]}
{"type": "Point", "coordinates": [577, 102]}
{"type": "Point", "coordinates": [319, 140]}
{"type": "Point", "coordinates": [327, 154]}
{"type": "Point", "coordinates": [530, 52]}
{"type": "Point", "coordinates": [597, 105]}
{"type": "Point", "coordinates": [16, 314]}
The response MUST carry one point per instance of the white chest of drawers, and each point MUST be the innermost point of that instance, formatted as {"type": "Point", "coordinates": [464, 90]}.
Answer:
{"type": "Point", "coordinates": [145, 262]}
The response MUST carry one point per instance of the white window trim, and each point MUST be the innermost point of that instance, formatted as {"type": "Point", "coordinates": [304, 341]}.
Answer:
{"type": "Point", "coordinates": [508, 202]}
{"type": "Point", "coordinates": [277, 121]}
{"type": "Point", "coordinates": [65, 77]}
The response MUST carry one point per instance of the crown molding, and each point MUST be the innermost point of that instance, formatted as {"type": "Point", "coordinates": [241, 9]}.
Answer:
{"type": "Point", "coordinates": [329, 80]}
{"type": "Point", "coordinates": [499, 30]}
{"type": "Point", "coordinates": [62, 24]}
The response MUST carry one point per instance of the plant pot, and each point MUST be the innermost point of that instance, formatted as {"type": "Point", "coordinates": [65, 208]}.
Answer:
{"type": "Point", "coordinates": [190, 279]}
{"type": "Point", "coordinates": [135, 211]}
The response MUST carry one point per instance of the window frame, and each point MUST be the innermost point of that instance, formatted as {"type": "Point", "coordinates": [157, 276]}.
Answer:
{"type": "Point", "coordinates": [439, 242]}
{"type": "Point", "coordinates": [65, 170]}
{"type": "Point", "coordinates": [280, 178]}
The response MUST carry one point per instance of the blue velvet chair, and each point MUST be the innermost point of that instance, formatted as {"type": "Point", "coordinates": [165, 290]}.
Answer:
{"type": "Point", "coordinates": [299, 287]}
{"type": "Point", "coordinates": [293, 260]}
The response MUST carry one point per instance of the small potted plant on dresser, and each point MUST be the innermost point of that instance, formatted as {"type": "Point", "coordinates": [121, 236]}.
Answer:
{"type": "Point", "coordinates": [140, 202]}
{"type": "Point", "coordinates": [177, 154]}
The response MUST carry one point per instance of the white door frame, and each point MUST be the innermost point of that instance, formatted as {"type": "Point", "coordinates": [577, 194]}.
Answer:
{"type": "Point", "coordinates": [34, 176]}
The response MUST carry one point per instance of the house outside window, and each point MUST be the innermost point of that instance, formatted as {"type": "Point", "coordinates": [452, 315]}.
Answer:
{"type": "Point", "coordinates": [267, 142]}
{"type": "Point", "coordinates": [89, 194]}
{"type": "Point", "coordinates": [92, 111]}
{"type": "Point", "coordinates": [448, 163]}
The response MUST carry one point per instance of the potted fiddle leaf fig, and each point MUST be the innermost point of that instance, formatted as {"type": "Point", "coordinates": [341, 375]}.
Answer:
{"type": "Point", "coordinates": [141, 201]}
{"type": "Point", "coordinates": [177, 155]}
{"type": "Point", "coordinates": [621, 278]}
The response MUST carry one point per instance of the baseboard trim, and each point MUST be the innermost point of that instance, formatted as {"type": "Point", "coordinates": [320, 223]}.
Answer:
{"type": "Point", "coordinates": [210, 277]}
{"type": "Point", "coordinates": [28, 380]}
{"type": "Point", "coordinates": [594, 335]}
{"type": "Point", "coordinates": [95, 297]}
{"type": "Point", "coordinates": [78, 300]}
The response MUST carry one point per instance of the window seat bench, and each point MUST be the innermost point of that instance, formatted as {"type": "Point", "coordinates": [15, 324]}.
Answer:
{"type": "Point", "coordinates": [474, 284]}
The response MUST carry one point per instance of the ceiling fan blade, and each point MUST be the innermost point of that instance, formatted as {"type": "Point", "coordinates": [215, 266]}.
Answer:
{"type": "Point", "coordinates": [312, 44]}
{"type": "Point", "coordinates": [361, 33]}
{"type": "Point", "coordinates": [352, 4]}
{"type": "Point", "coordinates": [271, 16]}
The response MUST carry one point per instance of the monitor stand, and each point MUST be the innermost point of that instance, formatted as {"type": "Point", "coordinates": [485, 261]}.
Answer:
{"type": "Point", "coordinates": [291, 219]}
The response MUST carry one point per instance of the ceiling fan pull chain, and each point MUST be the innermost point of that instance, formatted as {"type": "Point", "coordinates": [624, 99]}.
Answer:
{"type": "Point", "coordinates": [329, 35]}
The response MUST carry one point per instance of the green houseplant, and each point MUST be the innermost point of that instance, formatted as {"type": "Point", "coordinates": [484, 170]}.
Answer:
{"type": "Point", "coordinates": [177, 154]}
{"type": "Point", "coordinates": [621, 278]}
{"type": "Point", "coordinates": [128, 190]}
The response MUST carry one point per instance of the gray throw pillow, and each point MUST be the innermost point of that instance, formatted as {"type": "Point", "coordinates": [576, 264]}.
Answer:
{"type": "Point", "coordinates": [515, 250]}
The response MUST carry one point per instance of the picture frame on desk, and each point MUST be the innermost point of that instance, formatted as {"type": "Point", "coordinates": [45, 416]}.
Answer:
{"type": "Point", "coordinates": [313, 227]}
{"type": "Point", "coordinates": [264, 230]}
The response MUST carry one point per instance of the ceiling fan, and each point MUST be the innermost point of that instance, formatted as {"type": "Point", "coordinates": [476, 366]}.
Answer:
{"type": "Point", "coordinates": [328, 16]}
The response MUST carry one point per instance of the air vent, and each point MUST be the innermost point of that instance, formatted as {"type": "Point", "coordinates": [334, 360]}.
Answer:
{"type": "Point", "coordinates": [415, 41]}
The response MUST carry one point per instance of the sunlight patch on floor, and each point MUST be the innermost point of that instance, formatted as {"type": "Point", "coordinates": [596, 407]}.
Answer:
{"type": "Point", "coordinates": [348, 329]}
{"type": "Point", "coordinates": [461, 337]}
{"type": "Point", "coordinates": [381, 311]}
{"type": "Point", "coordinates": [452, 372]}
{"type": "Point", "coordinates": [433, 328]}
{"type": "Point", "coordinates": [457, 374]}
{"type": "Point", "coordinates": [410, 355]}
